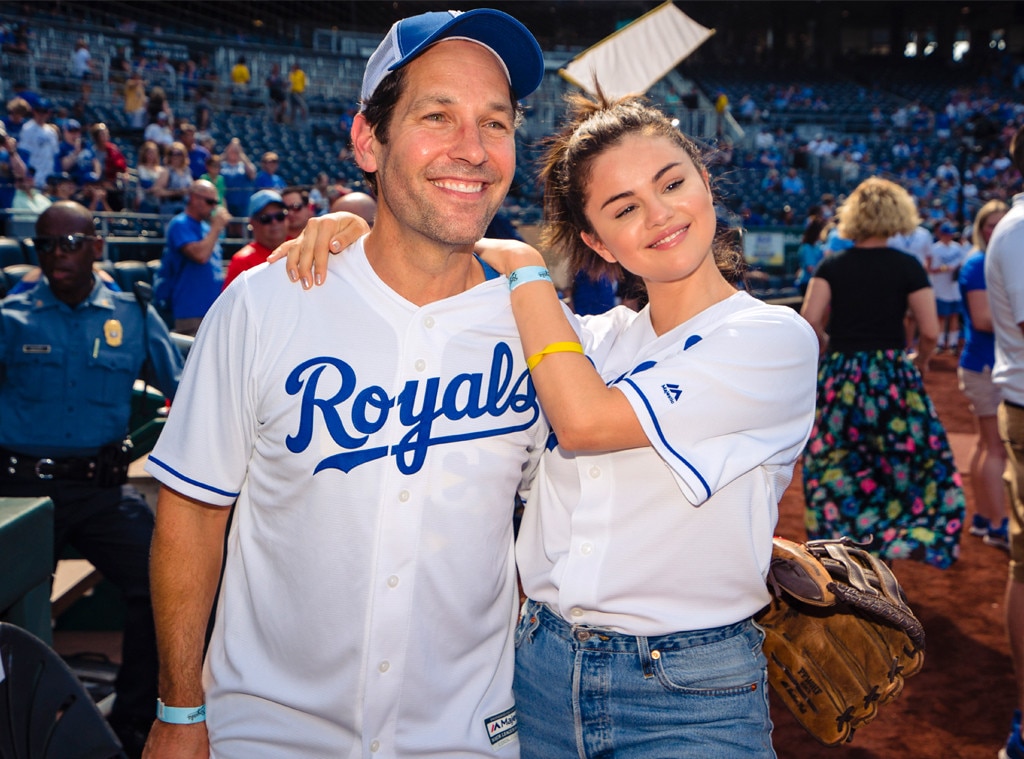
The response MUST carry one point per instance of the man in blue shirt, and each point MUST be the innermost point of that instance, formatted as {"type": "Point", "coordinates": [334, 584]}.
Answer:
{"type": "Point", "coordinates": [70, 352]}
{"type": "Point", "coordinates": [267, 177]}
{"type": "Point", "coordinates": [191, 273]}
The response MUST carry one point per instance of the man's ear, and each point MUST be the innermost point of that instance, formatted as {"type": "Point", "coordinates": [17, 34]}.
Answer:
{"type": "Point", "coordinates": [594, 243]}
{"type": "Point", "coordinates": [363, 144]}
{"type": "Point", "coordinates": [97, 249]}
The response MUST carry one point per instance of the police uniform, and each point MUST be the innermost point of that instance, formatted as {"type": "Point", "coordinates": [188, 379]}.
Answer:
{"type": "Point", "coordinates": [66, 377]}
{"type": "Point", "coordinates": [374, 449]}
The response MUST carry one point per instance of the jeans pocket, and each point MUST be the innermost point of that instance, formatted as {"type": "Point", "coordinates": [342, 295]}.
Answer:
{"type": "Point", "coordinates": [529, 620]}
{"type": "Point", "coordinates": [719, 668]}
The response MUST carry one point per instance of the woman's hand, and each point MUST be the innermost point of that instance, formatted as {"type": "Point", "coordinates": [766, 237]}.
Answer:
{"type": "Point", "coordinates": [323, 235]}
{"type": "Point", "coordinates": [508, 255]}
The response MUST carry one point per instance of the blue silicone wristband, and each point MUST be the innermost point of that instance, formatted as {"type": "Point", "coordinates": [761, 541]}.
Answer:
{"type": "Point", "coordinates": [180, 715]}
{"type": "Point", "coordinates": [525, 274]}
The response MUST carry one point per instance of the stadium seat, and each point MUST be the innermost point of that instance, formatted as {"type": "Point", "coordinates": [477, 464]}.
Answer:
{"type": "Point", "coordinates": [47, 711]}
{"type": "Point", "coordinates": [11, 252]}
{"type": "Point", "coordinates": [127, 273]}
{"type": "Point", "coordinates": [28, 248]}
{"type": "Point", "coordinates": [15, 272]}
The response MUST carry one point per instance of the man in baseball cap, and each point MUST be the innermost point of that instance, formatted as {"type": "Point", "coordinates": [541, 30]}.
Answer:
{"type": "Point", "coordinates": [510, 42]}
{"type": "Point", "coordinates": [371, 437]}
{"type": "Point", "coordinates": [268, 221]}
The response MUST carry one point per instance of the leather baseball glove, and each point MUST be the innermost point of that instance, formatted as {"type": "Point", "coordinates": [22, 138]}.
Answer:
{"type": "Point", "coordinates": [839, 636]}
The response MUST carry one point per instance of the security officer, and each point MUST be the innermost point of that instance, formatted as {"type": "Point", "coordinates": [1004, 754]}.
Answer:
{"type": "Point", "coordinates": [70, 351]}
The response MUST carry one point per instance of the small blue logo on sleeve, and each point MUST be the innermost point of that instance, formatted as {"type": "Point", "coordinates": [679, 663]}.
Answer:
{"type": "Point", "coordinates": [672, 392]}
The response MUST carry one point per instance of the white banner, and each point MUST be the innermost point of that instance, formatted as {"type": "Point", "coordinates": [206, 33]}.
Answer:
{"type": "Point", "coordinates": [639, 54]}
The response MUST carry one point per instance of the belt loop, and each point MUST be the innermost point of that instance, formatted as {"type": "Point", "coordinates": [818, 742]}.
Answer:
{"type": "Point", "coordinates": [646, 660]}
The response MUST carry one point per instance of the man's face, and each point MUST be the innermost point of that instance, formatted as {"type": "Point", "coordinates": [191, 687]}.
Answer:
{"type": "Point", "coordinates": [269, 226]}
{"type": "Point", "coordinates": [67, 246]}
{"type": "Point", "coordinates": [298, 213]}
{"type": "Point", "coordinates": [201, 202]}
{"type": "Point", "coordinates": [64, 190]}
{"type": "Point", "coordinates": [450, 154]}
{"type": "Point", "coordinates": [269, 165]}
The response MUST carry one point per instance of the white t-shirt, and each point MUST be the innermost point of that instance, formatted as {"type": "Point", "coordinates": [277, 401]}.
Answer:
{"type": "Point", "coordinates": [678, 535]}
{"type": "Point", "coordinates": [951, 255]}
{"type": "Point", "coordinates": [374, 449]}
{"type": "Point", "coordinates": [43, 144]}
{"type": "Point", "coordinates": [918, 244]}
{"type": "Point", "coordinates": [1004, 281]}
{"type": "Point", "coordinates": [80, 62]}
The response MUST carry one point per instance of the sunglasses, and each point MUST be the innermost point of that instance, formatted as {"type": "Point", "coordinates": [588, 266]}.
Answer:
{"type": "Point", "coordinates": [68, 243]}
{"type": "Point", "coordinates": [209, 201]}
{"type": "Point", "coordinates": [296, 206]}
{"type": "Point", "coordinates": [266, 218]}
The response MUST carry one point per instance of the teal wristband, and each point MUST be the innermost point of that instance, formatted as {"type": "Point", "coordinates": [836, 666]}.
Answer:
{"type": "Point", "coordinates": [525, 274]}
{"type": "Point", "coordinates": [180, 715]}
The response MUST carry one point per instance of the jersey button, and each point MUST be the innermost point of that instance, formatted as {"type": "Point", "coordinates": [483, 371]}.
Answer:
{"type": "Point", "coordinates": [576, 611]}
{"type": "Point", "coordinates": [586, 549]}
{"type": "Point", "coordinates": [595, 472]}
{"type": "Point", "coordinates": [428, 322]}
{"type": "Point", "coordinates": [420, 365]}
{"type": "Point", "coordinates": [393, 581]}
{"type": "Point", "coordinates": [375, 746]}
{"type": "Point", "coordinates": [384, 666]}
{"type": "Point", "coordinates": [404, 496]}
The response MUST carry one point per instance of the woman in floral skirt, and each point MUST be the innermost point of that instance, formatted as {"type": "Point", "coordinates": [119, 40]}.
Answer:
{"type": "Point", "coordinates": [878, 467]}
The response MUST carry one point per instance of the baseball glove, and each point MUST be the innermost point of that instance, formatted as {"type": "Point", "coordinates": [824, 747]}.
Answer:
{"type": "Point", "coordinates": [839, 636]}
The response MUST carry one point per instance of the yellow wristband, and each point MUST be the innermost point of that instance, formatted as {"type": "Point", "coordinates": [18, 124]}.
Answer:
{"type": "Point", "coordinates": [566, 347]}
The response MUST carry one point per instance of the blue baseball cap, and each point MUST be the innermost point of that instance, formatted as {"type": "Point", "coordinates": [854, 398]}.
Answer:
{"type": "Point", "coordinates": [263, 198]}
{"type": "Point", "coordinates": [947, 229]}
{"type": "Point", "coordinates": [511, 42]}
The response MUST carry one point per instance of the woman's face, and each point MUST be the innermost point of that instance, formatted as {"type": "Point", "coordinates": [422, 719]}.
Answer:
{"type": "Point", "coordinates": [988, 226]}
{"type": "Point", "coordinates": [651, 210]}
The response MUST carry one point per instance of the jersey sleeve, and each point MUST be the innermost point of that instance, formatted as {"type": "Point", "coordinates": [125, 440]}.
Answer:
{"type": "Point", "coordinates": [206, 443]}
{"type": "Point", "coordinates": [735, 398]}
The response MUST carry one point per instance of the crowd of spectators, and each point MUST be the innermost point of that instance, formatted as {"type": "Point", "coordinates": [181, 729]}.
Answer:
{"type": "Point", "coordinates": [949, 156]}
{"type": "Point", "coordinates": [952, 159]}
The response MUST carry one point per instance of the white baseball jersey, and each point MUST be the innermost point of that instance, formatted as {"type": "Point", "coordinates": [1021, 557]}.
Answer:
{"type": "Point", "coordinates": [374, 448]}
{"type": "Point", "coordinates": [676, 536]}
{"type": "Point", "coordinates": [951, 255]}
{"type": "Point", "coordinates": [1004, 282]}
{"type": "Point", "coordinates": [917, 243]}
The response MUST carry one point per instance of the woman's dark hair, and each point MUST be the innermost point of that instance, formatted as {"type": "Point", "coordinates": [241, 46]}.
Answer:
{"type": "Point", "coordinates": [594, 127]}
{"type": "Point", "coordinates": [812, 232]}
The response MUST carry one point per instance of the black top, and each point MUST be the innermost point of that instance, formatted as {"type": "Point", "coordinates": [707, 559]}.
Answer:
{"type": "Point", "coordinates": [869, 297]}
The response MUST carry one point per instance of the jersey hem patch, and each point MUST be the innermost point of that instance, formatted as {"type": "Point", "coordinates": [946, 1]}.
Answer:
{"type": "Point", "coordinates": [502, 728]}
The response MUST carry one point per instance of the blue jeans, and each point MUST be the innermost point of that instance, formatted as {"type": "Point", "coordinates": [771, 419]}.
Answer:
{"type": "Point", "coordinates": [591, 693]}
